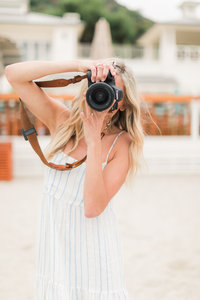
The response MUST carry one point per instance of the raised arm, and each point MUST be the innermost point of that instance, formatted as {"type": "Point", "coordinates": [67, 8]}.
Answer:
{"type": "Point", "coordinates": [21, 76]}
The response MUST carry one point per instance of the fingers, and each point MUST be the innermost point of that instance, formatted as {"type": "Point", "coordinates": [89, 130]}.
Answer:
{"type": "Point", "coordinates": [99, 72]}
{"type": "Point", "coordinates": [94, 73]}
{"type": "Point", "coordinates": [88, 109]}
{"type": "Point", "coordinates": [112, 70]}
{"type": "Point", "coordinates": [83, 116]}
{"type": "Point", "coordinates": [86, 118]}
{"type": "Point", "coordinates": [105, 72]}
{"type": "Point", "coordinates": [99, 76]}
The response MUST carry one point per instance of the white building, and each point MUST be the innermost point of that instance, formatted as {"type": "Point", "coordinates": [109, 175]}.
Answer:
{"type": "Point", "coordinates": [26, 35]}
{"type": "Point", "coordinates": [171, 55]}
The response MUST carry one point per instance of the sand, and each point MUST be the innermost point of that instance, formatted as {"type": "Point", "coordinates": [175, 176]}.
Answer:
{"type": "Point", "coordinates": [159, 221]}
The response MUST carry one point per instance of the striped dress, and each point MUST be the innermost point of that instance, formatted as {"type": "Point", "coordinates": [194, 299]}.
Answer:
{"type": "Point", "coordinates": [78, 258]}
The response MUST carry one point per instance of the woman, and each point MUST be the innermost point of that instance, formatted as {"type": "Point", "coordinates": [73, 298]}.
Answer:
{"type": "Point", "coordinates": [80, 252]}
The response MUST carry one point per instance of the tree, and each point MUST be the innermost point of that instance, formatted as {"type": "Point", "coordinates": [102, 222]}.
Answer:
{"type": "Point", "coordinates": [126, 25]}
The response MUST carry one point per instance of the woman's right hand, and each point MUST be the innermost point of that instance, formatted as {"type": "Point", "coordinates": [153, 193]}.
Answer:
{"type": "Point", "coordinates": [99, 69]}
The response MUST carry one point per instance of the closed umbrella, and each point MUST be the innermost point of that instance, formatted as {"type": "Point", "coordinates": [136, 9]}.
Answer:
{"type": "Point", "coordinates": [102, 41]}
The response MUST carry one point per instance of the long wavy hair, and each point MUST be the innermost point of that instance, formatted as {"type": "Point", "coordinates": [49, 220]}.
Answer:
{"type": "Point", "coordinates": [128, 120]}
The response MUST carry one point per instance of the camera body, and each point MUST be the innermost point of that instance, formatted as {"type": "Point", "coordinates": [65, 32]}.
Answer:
{"type": "Point", "coordinates": [101, 95]}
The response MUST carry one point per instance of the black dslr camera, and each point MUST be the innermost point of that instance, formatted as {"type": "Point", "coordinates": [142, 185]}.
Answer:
{"type": "Point", "coordinates": [101, 95]}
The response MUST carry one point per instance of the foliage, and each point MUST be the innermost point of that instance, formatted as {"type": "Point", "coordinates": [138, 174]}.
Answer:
{"type": "Point", "coordinates": [126, 25]}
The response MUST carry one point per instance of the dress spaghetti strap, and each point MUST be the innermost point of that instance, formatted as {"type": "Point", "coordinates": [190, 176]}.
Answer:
{"type": "Point", "coordinates": [113, 144]}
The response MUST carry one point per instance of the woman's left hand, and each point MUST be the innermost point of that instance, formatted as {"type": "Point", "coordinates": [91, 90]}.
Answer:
{"type": "Point", "coordinates": [93, 121]}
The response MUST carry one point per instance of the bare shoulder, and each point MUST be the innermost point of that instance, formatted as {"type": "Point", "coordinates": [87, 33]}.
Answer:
{"type": "Point", "coordinates": [127, 138]}
{"type": "Point", "coordinates": [120, 158]}
{"type": "Point", "coordinates": [122, 145]}
{"type": "Point", "coordinates": [124, 140]}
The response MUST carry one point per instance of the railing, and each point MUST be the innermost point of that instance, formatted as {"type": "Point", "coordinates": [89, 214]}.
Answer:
{"type": "Point", "coordinates": [10, 123]}
{"type": "Point", "coordinates": [188, 52]}
{"type": "Point", "coordinates": [160, 115]}
{"type": "Point", "coordinates": [166, 114]}
{"type": "Point", "coordinates": [183, 52]}
{"type": "Point", "coordinates": [123, 51]}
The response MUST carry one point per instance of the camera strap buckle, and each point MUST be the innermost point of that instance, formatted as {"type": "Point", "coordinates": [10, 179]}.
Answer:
{"type": "Point", "coordinates": [28, 131]}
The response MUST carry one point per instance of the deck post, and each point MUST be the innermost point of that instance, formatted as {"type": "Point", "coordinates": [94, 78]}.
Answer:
{"type": "Point", "coordinates": [195, 119]}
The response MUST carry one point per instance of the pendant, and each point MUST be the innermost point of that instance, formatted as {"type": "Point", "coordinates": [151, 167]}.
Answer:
{"type": "Point", "coordinates": [107, 124]}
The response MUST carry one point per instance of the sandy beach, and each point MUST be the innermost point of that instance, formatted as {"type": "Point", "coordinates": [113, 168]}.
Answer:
{"type": "Point", "coordinates": [159, 221]}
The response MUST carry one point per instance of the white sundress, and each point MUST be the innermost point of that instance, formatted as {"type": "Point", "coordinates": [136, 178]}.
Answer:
{"type": "Point", "coordinates": [78, 258]}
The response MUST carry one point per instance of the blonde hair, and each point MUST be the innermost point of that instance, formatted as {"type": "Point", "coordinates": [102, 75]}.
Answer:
{"type": "Point", "coordinates": [128, 120]}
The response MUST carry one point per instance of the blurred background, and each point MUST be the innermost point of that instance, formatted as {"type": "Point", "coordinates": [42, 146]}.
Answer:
{"type": "Point", "coordinates": [159, 214]}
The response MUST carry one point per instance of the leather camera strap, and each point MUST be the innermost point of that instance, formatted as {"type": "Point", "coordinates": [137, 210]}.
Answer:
{"type": "Point", "coordinates": [30, 134]}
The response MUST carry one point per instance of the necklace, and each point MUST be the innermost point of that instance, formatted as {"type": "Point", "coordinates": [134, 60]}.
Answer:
{"type": "Point", "coordinates": [108, 123]}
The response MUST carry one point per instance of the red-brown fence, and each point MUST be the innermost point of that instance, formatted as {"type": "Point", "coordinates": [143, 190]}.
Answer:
{"type": "Point", "coordinates": [10, 123]}
{"type": "Point", "coordinates": [168, 112]}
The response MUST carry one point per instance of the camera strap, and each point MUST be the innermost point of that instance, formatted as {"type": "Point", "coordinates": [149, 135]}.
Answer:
{"type": "Point", "coordinates": [30, 134]}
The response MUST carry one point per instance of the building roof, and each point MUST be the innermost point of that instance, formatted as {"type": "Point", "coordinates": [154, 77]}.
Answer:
{"type": "Point", "coordinates": [182, 21]}
{"type": "Point", "coordinates": [33, 18]}
{"type": "Point", "coordinates": [155, 31]}
{"type": "Point", "coordinates": [189, 21]}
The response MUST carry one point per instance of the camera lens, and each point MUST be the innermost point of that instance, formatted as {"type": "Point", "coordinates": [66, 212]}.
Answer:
{"type": "Point", "coordinates": [100, 96]}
